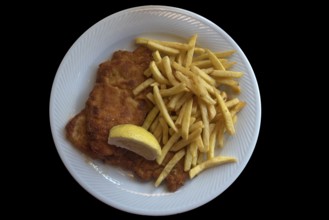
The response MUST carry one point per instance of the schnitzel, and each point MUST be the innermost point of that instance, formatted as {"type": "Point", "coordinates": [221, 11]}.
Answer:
{"type": "Point", "coordinates": [111, 102]}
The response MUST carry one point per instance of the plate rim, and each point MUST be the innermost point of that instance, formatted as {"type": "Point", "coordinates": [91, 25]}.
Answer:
{"type": "Point", "coordinates": [172, 9]}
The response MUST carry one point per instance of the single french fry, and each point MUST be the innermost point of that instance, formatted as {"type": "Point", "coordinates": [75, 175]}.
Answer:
{"type": "Point", "coordinates": [217, 54]}
{"type": "Point", "coordinates": [224, 95]}
{"type": "Point", "coordinates": [154, 124]}
{"type": "Point", "coordinates": [226, 73]}
{"type": "Point", "coordinates": [194, 108]}
{"type": "Point", "coordinates": [161, 105]}
{"type": "Point", "coordinates": [226, 114]}
{"type": "Point", "coordinates": [160, 66]}
{"type": "Point", "coordinates": [176, 158]}
{"type": "Point", "coordinates": [182, 69]}
{"type": "Point", "coordinates": [168, 71]}
{"type": "Point", "coordinates": [147, 72]}
{"type": "Point", "coordinates": [180, 58]}
{"type": "Point", "coordinates": [203, 75]}
{"type": "Point", "coordinates": [216, 161]}
{"type": "Point", "coordinates": [211, 111]}
{"type": "Point", "coordinates": [215, 61]}
{"type": "Point", "coordinates": [196, 125]}
{"type": "Point", "coordinates": [163, 49]}
{"type": "Point", "coordinates": [141, 40]}
{"type": "Point", "coordinates": [208, 70]}
{"type": "Point", "coordinates": [231, 83]}
{"type": "Point", "coordinates": [179, 120]}
{"type": "Point", "coordinates": [224, 54]}
{"type": "Point", "coordinates": [172, 140]}
{"type": "Point", "coordinates": [158, 132]}
{"type": "Point", "coordinates": [235, 118]}
{"type": "Point", "coordinates": [205, 120]}
{"type": "Point", "coordinates": [156, 56]}
{"type": "Point", "coordinates": [208, 64]}
{"type": "Point", "coordinates": [143, 86]}
{"type": "Point", "coordinates": [150, 97]}
{"type": "Point", "coordinates": [150, 117]}
{"type": "Point", "coordinates": [176, 45]}
{"type": "Point", "coordinates": [187, 119]}
{"type": "Point", "coordinates": [188, 158]}
{"type": "Point", "coordinates": [194, 149]}
{"type": "Point", "coordinates": [171, 131]}
{"type": "Point", "coordinates": [202, 64]}
{"type": "Point", "coordinates": [180, 87]}
{"type": "Point", "coordinates": [182, 100]}
{"type": "Point", "coordinates": [165, 131]}
{"type": "Point", "coordinates": [163, 87]}
{"type": "Point", "coordinates": [192, 120]}
{"type": "Point", "coordinates": [210, 90]}
{"type": "Point", "coordinates": [188, 82]}
{"type": "Point", "coordinates": [200, 144]}
{"type": "Point", "coordinates": [200, 89]}
{"type": "Point", "coordinates": [201, 157]}
{"type": "Point", "coordinates": [232, 102]}
{"type": "Point", "coordinates": [199, 50]}
{"type": "Point", "coordinates": [227, 65]}
{"type": "Point", "coordinates": [212, 141]}
{"type": "Point", "coordinates": [220, 133]}
{"type": "Point", "coordinates": [237, 108]}
{"type": "Point", "coordinates": [190, 52]}
{"type": "Point", "coordinates": [202, 56]}
{"type": "Point", "coordinates": [157, 74]}
{"type": "Point", "coordinates": [173, 101]}
{"type": "Point", "coordinates": [182, 143]}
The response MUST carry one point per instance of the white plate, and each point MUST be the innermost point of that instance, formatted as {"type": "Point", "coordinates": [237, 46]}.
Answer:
{"type": "Point", "coordinates": [75, 78]}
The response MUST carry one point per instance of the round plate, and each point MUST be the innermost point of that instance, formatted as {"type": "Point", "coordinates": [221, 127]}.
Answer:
{"type": "Point", "coordinates": [75, 79]}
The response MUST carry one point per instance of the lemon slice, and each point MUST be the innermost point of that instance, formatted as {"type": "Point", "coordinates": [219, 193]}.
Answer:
{"type": "Point", "coordinates": [136, 139]}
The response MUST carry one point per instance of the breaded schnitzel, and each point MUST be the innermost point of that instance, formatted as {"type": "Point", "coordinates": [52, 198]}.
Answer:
{"type": "Point", "coordinates": [111, 102]}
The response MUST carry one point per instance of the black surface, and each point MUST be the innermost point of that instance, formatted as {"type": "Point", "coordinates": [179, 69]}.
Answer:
{"type": "Point", "coordinates": [257, 186]}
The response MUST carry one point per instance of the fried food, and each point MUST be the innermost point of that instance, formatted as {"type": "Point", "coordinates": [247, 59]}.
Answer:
{"type": "Point", "coordinates": [195, 85]}
{"type": "Point", "coordinates": [111, 102]}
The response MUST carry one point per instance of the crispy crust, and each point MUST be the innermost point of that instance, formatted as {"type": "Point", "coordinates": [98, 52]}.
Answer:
{"type": "Point", "coordinates": [110, 103]}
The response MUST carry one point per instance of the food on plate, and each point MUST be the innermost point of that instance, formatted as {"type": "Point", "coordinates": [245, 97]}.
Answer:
{"type": "Point", "coordinates": [112, 102]}
{"type": "Point", "coordinates": [194, 96]}
{"type": "Point", "coordinates": [215, 161]}
{"type": "Point", "coordinates": [161, 111]}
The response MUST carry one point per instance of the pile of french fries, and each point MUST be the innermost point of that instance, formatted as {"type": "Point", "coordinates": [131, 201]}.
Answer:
{"type": "Point", "coordinates": [194, 103]}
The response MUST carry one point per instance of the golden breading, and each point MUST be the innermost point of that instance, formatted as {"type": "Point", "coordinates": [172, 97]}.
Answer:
{"type": "Point", "coordinates": [111, 102]}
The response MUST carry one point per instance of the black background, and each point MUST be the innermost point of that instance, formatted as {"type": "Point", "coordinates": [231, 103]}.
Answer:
{"type": "Point", "coordinates": [255, 30]}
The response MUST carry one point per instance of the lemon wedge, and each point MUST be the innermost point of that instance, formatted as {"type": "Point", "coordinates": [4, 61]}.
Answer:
{"type": "Point", "coordinates": [136, 139]}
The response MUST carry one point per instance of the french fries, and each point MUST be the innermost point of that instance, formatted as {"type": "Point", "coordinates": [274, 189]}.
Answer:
{"type": "Point", "coordinates": [143, 86]}
{"type": "Point", "coordinates": [194, 106]}
{"type": "Point", "coordinates": [179, 155]}
{"type": "Point", "coordinates": [210, 163]}
{"type": "Point", "coordinates": [190, 52]}
{"type": "Point", "coordinates": [161, 105]}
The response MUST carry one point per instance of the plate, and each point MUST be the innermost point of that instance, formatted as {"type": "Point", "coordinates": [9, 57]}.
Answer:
{"type": "Point", "coordinates": [75, 78]}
